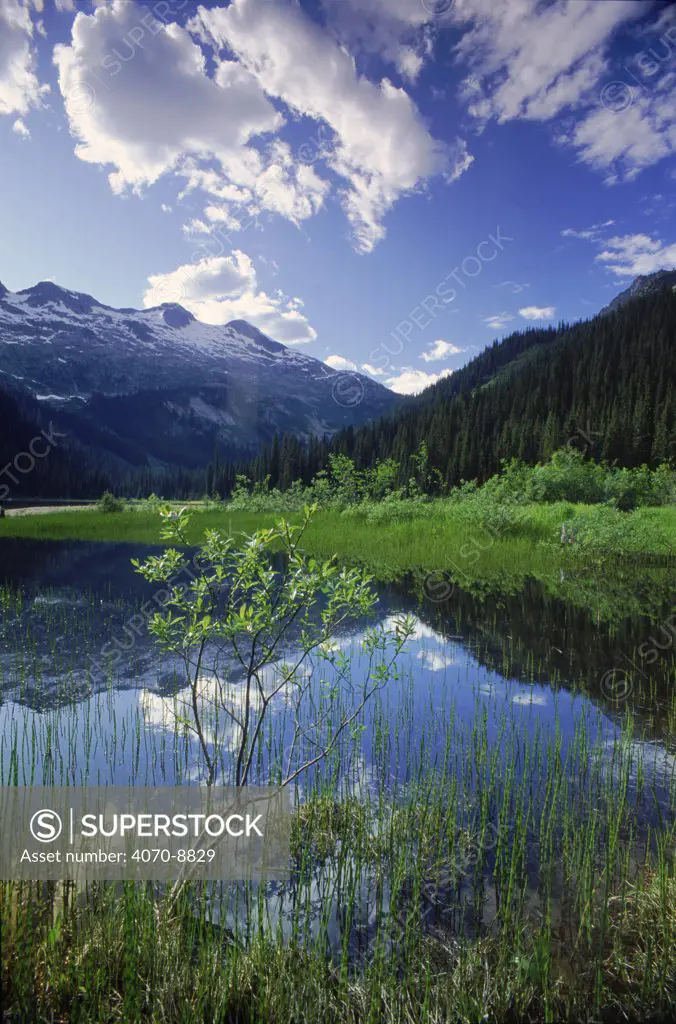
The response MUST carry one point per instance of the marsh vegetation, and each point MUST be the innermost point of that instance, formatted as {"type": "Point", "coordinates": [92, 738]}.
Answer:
{"type": "Point", "coordinates": [490, 838]}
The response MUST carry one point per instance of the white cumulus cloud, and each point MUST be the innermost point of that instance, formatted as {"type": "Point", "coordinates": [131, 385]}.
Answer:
{"type": "Point", "coordinates": [622, 142]}
{"type": "Point", "coordinates": [340, 363]}
{"type": "Point", "coordinates": [145, 97]}
{"type": "Point", "coordinates": [440, 349]}
{"type": "Point", "coordinates": [632, 255]}
{"type": "Point", "coordinates": [628, 255]}
{"type": "Point", "coordinates": [538, 312]}
{"type": "Point", "coordinates": [587, 233]}
{"type": "Point", "coordinates": [20, 88]}
{"type": "Point", "coordinates": [532, 60]}
{"type": "Point", "coordinates": [498, 321]}
{"type": "Point", "coordinates": [536, 61]}
{"type": "Point", "coordinates": [20, 128]}
{"type": "Point", "coordinates": [380, 146]}
{"type": "Point", "coordinates": [401, 32]}
{"type": "Point", "coordinates": [225, 288]}
{"type": "Point", "coordinates": [411, 382]}
{"type": "Point", "coordinates": [514, 286]}
{"type": "Point", "coordinates": [142, 109]}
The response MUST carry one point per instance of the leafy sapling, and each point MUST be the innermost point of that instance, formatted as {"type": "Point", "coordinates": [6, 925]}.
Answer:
{"type": "Point", "coordinates": [255, 619]}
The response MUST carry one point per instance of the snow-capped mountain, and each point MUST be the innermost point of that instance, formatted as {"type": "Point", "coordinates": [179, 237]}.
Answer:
{"type": "Point", "coordinates": [157, 385]}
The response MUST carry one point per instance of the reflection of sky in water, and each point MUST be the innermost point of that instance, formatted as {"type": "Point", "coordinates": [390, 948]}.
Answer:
{"type": "Point", "coordinates": [139, 734]}
{"type": "Point", "coordinates": [462, 663]}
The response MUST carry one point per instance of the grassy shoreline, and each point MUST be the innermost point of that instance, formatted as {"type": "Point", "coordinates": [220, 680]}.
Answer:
{"type": "Point", "coordinates": [436, 553]}
{"type": "Point", "coordinates": [440, 539]}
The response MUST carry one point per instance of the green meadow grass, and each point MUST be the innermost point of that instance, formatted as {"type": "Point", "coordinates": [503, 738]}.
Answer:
{"type": "Point", "coordinates": [443, 544]}
{"type": "Point", "coordinates": [129, 526]}
{"type": "Point", "coordinates": [427, 542]}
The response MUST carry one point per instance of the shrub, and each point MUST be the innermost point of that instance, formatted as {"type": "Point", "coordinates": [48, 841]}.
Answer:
{"type": "Point", "coordinates": [152, 503]}
{"type": "Point", "coordinates": [663, 485]}
{"type": "Point", "coordinates": [568, 476]}
{"type": "Point", "coordinates": [513, 484]}
{"type": "Point", "coordinates": [605, 529]}
{"type": "Point", "coordinates": [464, 490]}
{"type": "Point", "coordinates": [240, 598]}
{"type": "Point", "coordinates": [210, 501]}
{"type": "Point", "coordinates": [259, 497]}
{"type": "Point", "coordinates": [109, 503]}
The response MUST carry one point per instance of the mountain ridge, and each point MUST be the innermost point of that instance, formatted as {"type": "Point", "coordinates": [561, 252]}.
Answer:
{"type": "Point", "coordinates": [186, 386]}
{"type": "Point", "coordinates": [644, 284]}
{"type": "Point", "coordinates": [175, 401]}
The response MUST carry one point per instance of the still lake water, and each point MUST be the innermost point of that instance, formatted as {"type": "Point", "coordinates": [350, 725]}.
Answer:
{"type": "Point", "coordinates": [87, 698]}
{"type": "Point", "coordinates": [78, 638]}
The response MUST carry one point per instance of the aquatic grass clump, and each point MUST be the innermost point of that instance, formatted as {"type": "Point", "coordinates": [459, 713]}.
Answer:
{"type": "Point", "coordinates": [111, 956]}
{"type": "Point", "coordinates": [319, 825]}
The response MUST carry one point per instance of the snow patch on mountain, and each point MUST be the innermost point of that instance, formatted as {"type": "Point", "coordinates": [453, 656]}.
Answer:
{"type": "Point", "coordinates": [158, 384]}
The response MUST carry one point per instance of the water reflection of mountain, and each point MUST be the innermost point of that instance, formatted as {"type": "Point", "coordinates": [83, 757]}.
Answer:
{"type": "Point", "coordinates": [80, 595]}
{"type": "Point", "coordinates": [81, 566]}
{"type": "Point", "coordinates": [83, 609]}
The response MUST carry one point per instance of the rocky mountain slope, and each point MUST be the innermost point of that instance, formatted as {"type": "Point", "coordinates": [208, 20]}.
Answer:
{"type": "Point", "coordinates": [156, 386]}
{"type": "Point", "coordinates": [647, 284]}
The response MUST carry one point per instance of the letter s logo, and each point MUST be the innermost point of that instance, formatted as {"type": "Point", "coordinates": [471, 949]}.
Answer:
{"type": "Point", "coordinates": [46, 826]}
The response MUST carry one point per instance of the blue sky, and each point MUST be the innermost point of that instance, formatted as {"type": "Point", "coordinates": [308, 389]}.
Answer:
{"type": "Point", "coordinates": [334, 171]}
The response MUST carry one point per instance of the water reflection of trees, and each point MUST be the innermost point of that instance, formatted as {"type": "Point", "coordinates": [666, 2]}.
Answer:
{"type": "Point", "coordinates": [534, 635]}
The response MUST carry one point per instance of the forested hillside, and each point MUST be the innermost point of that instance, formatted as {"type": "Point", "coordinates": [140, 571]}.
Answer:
{"type": "Point", "coordinates": [38, 458]}
{"type": "Point", "coordinates": [605, 385]}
